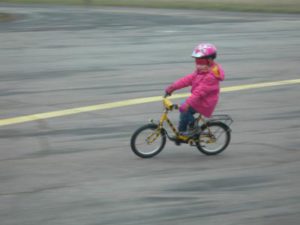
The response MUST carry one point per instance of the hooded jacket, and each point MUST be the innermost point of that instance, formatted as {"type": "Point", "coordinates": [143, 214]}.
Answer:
{"type": "Point", "coordinates": [205, 89]}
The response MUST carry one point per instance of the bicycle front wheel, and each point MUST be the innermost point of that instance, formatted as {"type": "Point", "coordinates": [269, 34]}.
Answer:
{"type": "Point", "coordinates": [148, 141]}
{"type": "Point", "coordinates": [214, 138]}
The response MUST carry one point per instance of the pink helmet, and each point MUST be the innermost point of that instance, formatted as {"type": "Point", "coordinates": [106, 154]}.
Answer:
{"type": "Point", "coordinates": [205, 50]}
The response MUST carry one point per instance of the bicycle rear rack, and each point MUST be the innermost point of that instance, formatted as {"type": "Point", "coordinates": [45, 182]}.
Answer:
{"type": "Point", "coordinates": [223, 118]}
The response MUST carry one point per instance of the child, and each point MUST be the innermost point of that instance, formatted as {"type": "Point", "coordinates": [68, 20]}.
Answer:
{"type": "Point", "coordinates": [205, 86]}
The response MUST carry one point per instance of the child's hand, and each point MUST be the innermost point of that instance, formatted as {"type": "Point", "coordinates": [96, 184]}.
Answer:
{"type": "Point", "coordinates": [184, 107]}
{"type": "Point", "coordinates": [169, 90]}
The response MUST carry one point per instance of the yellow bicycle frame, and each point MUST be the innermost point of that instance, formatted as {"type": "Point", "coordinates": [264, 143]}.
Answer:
{"type": "Point", "coordinates": [168, 107]}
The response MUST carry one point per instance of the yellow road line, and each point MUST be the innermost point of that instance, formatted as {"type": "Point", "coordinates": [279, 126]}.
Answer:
{"type": "Point", "coordinates": [48, 115]}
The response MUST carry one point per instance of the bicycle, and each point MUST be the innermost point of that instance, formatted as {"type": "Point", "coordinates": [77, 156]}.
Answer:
{"type": "Point", "coordinates": [210, 136]}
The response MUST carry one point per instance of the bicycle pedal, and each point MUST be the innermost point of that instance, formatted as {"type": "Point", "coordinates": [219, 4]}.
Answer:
{"type": "Point", "coordinates": [175, 140]}
{"type": "Point", "coordinates": [177, 143]}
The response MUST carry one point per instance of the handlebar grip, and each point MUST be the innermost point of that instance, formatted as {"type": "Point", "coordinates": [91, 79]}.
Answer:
{"type": "Point", "coordinates": [166, 95]}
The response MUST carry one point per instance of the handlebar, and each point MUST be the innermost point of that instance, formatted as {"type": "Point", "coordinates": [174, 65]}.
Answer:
{"type": "Point", "coordinates": [175, 106]}
{"type": "Point", "coordinates": [168, 104]}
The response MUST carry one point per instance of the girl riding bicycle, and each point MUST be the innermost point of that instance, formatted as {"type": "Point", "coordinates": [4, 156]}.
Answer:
{"type": "Point", "coordinates": [205, 86]}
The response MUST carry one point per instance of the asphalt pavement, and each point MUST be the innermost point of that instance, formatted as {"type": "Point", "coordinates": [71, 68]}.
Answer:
{"type": "Point", "coordinates": [79, 169]}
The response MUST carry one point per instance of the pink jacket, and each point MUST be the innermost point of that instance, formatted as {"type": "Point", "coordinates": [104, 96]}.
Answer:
{"type": "Point", "coordinates": [205, 89]}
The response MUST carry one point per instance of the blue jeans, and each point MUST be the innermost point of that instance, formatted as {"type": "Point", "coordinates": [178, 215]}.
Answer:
{"type": "Point", "coordinates": [185, 119]}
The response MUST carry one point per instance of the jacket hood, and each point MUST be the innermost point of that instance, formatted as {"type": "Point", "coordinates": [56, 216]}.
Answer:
{"type": "Point", "coordinates": [218, 72]}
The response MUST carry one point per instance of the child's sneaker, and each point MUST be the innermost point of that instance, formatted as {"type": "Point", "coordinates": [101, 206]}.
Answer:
{"type": "Point", "coordinates": [190, 132]}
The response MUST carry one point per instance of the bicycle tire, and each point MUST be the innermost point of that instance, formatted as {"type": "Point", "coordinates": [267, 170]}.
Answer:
{"type": "Point", "coordinates": [203, 145]}
{"type": "Point", "coordinates": [148, 129]}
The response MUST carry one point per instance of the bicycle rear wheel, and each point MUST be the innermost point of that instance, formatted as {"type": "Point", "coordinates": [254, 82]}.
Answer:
{"type": "Point", "coordinates": [214, 138]}
{"type": "Point", "coordinates": [147, 141]}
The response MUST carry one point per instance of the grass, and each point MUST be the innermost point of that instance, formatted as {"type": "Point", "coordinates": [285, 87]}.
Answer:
{"type": "Point", "coordinates": [274, 6]}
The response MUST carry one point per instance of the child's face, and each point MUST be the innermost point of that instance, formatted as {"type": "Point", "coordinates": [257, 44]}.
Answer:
{"type": "Point", "coordinates": [202, 65]}
{"type": "Point", "coordinates": [200, 61]}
